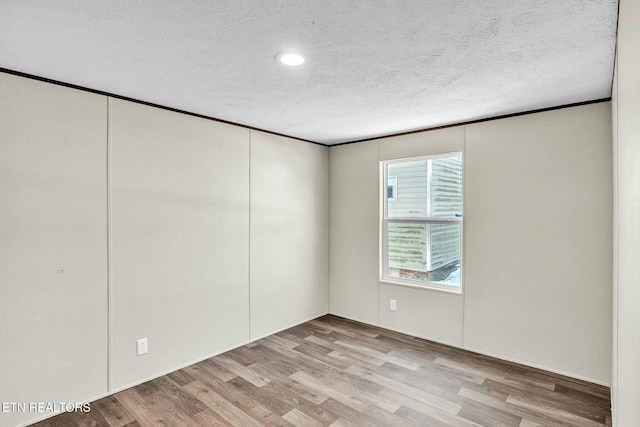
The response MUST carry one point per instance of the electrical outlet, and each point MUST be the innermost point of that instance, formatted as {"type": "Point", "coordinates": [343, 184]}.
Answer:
{"type": "Point", "coordinates": [142, 346]}
{"type": "Point", "coordinates": [392, 305]}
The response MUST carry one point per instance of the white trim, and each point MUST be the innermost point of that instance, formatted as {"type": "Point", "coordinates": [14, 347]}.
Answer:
{"type": "Point", "coordinates": [427, 286]}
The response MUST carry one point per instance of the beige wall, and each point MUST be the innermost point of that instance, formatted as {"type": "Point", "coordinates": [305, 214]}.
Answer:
{"type": "Point", "coordinates": [537, 231]}
{"type": "Point", "coordinates": [289, 233]}
{"type": "Point", "coordinates": [53, 244]}
{"type": "Point", "coordinates": [538, 240]}
{"type": "Point", "coordinates": [179, 239]}
{"type": "Point", "coordinates": [353, 272]}
{"type": "Point", "coordinates": [162, 251]}
{"type": "Point", "coordinates": [626, 131]}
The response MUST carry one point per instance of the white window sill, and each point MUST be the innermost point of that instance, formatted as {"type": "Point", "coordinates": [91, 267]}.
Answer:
{"type": "Point", "coordinates": [428, 286]}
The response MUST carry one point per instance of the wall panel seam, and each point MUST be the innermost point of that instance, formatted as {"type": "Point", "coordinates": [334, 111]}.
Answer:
{"type": "Point", "coordinates": [109, 250]}
{"type": "Point", "coordinates": [463, 285]}
{"type": "Point", "coordinates": [249, 240]}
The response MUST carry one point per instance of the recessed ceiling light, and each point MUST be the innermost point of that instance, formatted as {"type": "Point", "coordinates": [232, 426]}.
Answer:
{"type": "Point", "coordinates": [291, 59]}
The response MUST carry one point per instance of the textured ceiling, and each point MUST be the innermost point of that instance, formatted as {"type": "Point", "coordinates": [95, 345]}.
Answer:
{"type": "Point", "coordinates": [374, 67]}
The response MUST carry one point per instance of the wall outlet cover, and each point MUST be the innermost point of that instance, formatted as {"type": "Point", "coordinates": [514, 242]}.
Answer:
{"type": "Point", "coordinates": [142, 346]}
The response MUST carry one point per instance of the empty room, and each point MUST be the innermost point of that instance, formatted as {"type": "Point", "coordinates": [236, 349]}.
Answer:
{"type": "Point", "coordinates": [319, 213]}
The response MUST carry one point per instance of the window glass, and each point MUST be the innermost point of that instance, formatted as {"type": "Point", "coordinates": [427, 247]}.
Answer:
{"type": "Point", "coordinates": [424, 252]}
{"type": "Point", "coordinates": [392, 187]}
{"type": "Point", "coordinates": [423, 220]}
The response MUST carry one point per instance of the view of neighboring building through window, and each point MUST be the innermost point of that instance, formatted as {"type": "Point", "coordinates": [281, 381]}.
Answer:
{"type": "Point", "coordinates": [422, 223]}
{"type": "Point", "coordinates": [392, 186]}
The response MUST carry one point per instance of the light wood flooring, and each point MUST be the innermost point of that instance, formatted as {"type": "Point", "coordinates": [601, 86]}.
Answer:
{"type": "Point", "coordinates": [332, 371]}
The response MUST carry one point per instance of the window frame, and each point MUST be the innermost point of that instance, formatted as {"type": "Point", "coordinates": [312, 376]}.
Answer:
{"type": "Point", "coordinates": [386, 220]}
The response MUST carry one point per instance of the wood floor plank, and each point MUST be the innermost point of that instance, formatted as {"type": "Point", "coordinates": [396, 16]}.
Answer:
{"type": "Point", "coordinates": [227, 391]}
{"type": "Point", "coordinates": [348, 385]}
{"type": "Point", "coordinates": [144, 413]}
{"type": "Point", "coordinates": [336, 372]}
{"type": "Point", "coordinates": [265, 417]}
{"type": "Point", "coordinates": [315, 362]}
{"type": "Point", "coordinates": [113, 411]}
{"type": "Point", "coordinates": [241, 371]}
{"type": "Point", "coordinates": [419, 419]}
{"type": "Point", "coordinates": [166, 409]}
{"type": "Point", "coordinates": [274, 361]}
{"type": "Point", "coordinates": [577, 406]}
{"type": "Point", "coordinates": [427, 377]}
{"type": "Point", "coordinates": [450, 375]}
{"type": "Point", "coordinates": [430, 411]}
{"type": "Point", "coordinates": [596, 390]}
{"type": "Point", "coordinates": [346, 330]}
{"type": "Point", "coordinates": [484, 412]}
{"type": "Point", "coordinates": [341, 422]}
{"type": "Point", "coordinates": [498, 400]}
{"type": "Point", "coordinates": [295, 400]}
{"type": "Point", "coordinates": [566, 403]}
{"type": "Point", "coordinates": [554, 412]}
{"type": "Point", "coordinates": [90, 419]}
{"type": "Point", "coordinates": [309, 343]}
{"type": "Point", "coordinates": [582, 396]}
{"type": "Point", "coordinates": [317, 352]}
{"type": "Point", "coordinates": [322, 342]}
{"type": "Point", "coordinates": [181, 377]}
{"type": "Point", "coordinates": [209, 417]}
{"type": "Point", "coordinates": [300, 390]}
{"type": "Point", "coordinates": [299, 418]}
{"type": "Point", "coordinates": [426, 397]}
{"type": "Point", "coordinates": [350, 415]}
{"type": "Point", "coordinates": [345, 355]}
{"type": "Point", "coordinates": [266, 397]}
{"type": "Point", "coordinates": [322, 387]}
{"type": "Point", "coordinates": [528, 423]}
{"type": "Point", "coordinates": [212, 366]}
{"type": "Point", "coordinates": [66, 419]}
{"type": "Point", "coordinates": [499, 375]}
{"type": "Point", "coordinates": [383, 416]}
{"type": "Point", "coordinates": [243, 355]}
{"type": "Point", "coordinates": [282, 341]}
{"type": "Point", "coordinates": [221, 406]}
{"type": "Point", "coordinates": [183, 400]}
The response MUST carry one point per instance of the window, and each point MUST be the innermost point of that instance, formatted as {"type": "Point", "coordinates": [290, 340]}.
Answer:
{"type": "Point", "coordinates": [422, 223]}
